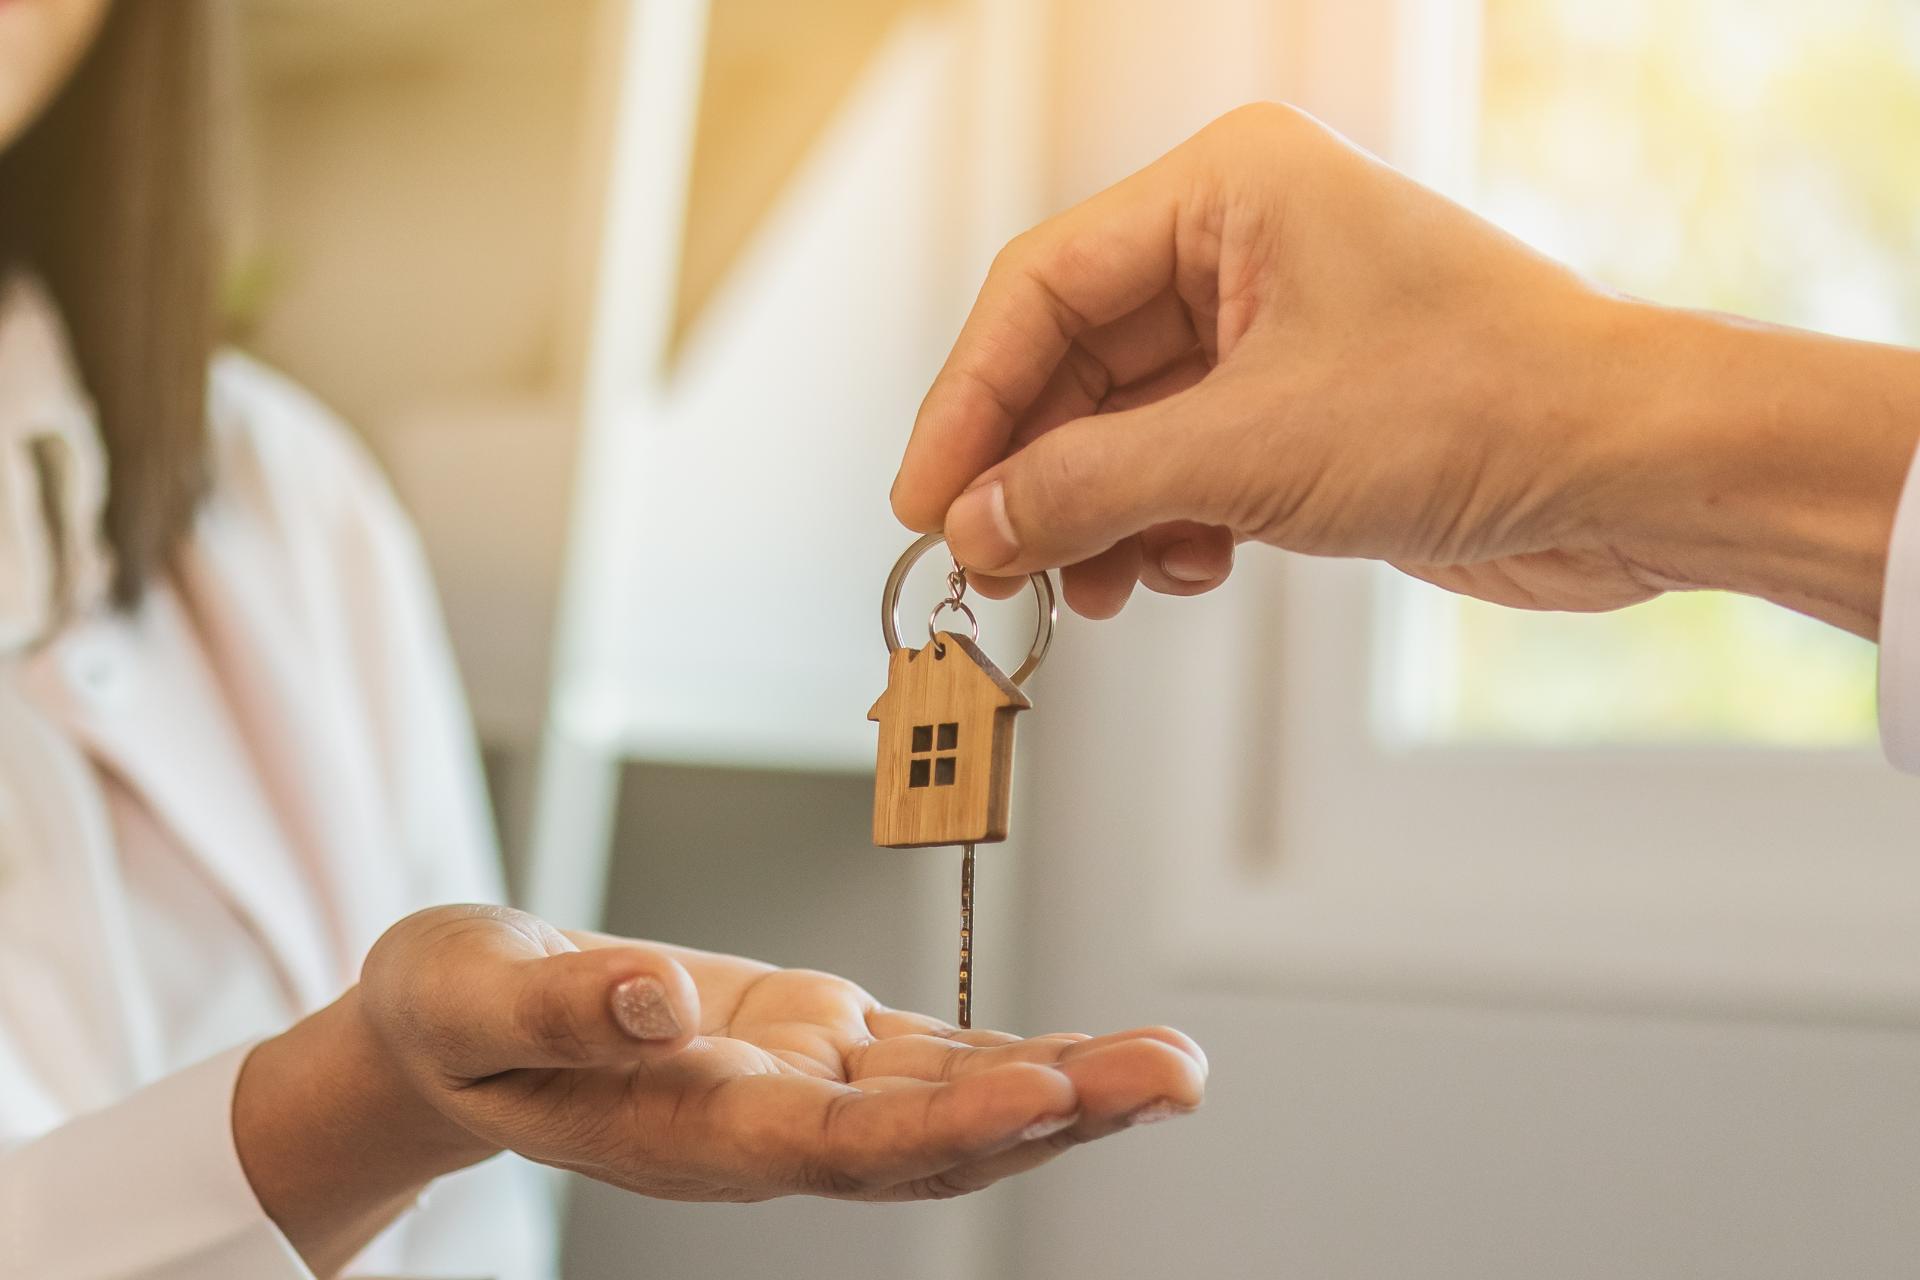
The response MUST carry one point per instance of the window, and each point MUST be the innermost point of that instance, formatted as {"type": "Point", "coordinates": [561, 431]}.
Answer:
{"type": "Point", "coordinates": [1648, 856]}
{"type": "Point", "coordinates": [1745, 155]}
{"type": "Point", "coordinates": [927, 768]}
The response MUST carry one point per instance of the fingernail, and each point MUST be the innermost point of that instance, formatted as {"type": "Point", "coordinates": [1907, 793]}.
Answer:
{"type": "Point", "coordinates": [641, 1007]}
{"type": "Point", "coordinates": [1048, 1127]}
{"type": "Point", "coordinates": [979, 516]}
{"type": "Point", "coordinates": [1185, 562]}
{"type": "Point", "coordinates": [1154, 1113]}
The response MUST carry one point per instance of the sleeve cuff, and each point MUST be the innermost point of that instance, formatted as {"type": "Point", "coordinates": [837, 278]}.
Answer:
{"type": "Point", "coordinates": [1900, 633]}
{"type": "Point", "coordinates": [150, 1188]}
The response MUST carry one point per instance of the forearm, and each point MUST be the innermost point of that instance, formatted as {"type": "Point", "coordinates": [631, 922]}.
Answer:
{"type": "Point", "coordinates": [334, 1140]}
{"type": "Point", "coordinates": [1756, 459]}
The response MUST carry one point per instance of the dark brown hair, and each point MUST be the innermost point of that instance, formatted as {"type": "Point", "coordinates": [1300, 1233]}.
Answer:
{"type": "Point", "coordinates": [108, 198]}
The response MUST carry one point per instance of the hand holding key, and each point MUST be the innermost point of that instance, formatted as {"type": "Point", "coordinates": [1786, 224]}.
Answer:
{"type": "Point", "coordinates": [1268, 335]}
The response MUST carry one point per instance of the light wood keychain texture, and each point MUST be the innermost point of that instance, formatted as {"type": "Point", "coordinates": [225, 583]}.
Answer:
{"type": "Point", "coordinates": [943, 772]}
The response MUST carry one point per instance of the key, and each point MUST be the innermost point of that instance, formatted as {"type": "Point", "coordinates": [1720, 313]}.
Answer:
{"type": "Point", "coordinates": [943, 771]}
{"type": "Point", "coordinates": [966, 939]}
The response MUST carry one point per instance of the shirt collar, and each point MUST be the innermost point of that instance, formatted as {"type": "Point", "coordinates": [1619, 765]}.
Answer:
{"type": "Point", "coordinates": [53, 475]}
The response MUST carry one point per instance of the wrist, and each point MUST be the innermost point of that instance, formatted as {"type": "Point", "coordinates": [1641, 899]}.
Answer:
{"type": "Point", "coordinates": [334, 1138]}
{"type": "Point", "coordinates": [1737, 456]}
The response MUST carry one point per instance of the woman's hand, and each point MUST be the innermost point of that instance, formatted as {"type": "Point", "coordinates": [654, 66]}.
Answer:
{"type": "Point", "coordinates": [1269, 335]}
{"type": "Point", "coordinates": [670, 1072]}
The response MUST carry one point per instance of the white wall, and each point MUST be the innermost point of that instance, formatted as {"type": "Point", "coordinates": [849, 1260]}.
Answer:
{"type": "Point", "coordinates": [1373, 1140]}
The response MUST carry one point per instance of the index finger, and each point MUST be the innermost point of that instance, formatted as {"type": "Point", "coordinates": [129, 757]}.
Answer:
{"type": "Point", "coordinates": [1089, 266]}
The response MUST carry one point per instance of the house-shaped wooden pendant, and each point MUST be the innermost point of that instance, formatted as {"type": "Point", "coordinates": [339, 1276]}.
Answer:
{"type": "Point", "coordinates": [945, 765]}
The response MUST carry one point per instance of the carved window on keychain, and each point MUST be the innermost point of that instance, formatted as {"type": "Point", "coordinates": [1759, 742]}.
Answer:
{"type": "Point", "coordinates": [939, 769]}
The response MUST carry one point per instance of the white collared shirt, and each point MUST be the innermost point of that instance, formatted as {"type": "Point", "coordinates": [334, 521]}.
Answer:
{"type": "Point", "coordinates": [50, 462]}
{"type": "Point", "coordinates": [209, 808]}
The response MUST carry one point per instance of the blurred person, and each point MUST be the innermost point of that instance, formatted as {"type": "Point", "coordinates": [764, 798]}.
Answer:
{"type": "Point", "coordinates": [233, 753]}
{"type": "Point", "coordinates": [1268, 335]}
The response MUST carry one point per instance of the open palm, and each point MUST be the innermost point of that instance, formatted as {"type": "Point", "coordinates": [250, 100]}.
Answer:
{"type": "Point", "coordinates": [775, 1082]}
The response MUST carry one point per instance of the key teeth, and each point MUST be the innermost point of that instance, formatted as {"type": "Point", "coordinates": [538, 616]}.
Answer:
{"type": "Point", "coordinates": [966, 938]}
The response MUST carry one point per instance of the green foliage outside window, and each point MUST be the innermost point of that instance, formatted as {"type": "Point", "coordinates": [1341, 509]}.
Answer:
{"type": "Point", "coordinates": [1756, 156]}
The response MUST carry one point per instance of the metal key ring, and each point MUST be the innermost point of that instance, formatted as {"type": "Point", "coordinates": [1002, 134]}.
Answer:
{"type": "Point", "coordinates": [890, 606]}
{"type": "Point", "coordinates": [958, 606]}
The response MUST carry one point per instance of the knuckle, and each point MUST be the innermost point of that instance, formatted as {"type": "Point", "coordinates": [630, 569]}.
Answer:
{"type": "Point", "coordinates": [1255, 139]}
{"type": "Point", "coordinates": [824, 1170]}
{"type": "Point", "coordinates": [548, 1021]}
{"type": "Point", "coordinates": [1261, 118]}
{"type": "Point", "coordinates": [1013, 254]}
{"type": "Point", "coordinates": [1066, 258]}
{"type": "Point", "coordinates": [1060, 484]}
{"type": "Point", "coordinates": [1088, 374]}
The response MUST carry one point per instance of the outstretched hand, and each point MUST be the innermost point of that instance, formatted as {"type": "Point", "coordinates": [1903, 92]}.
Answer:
{"type": "Point", "coordinates": [692, 1076]}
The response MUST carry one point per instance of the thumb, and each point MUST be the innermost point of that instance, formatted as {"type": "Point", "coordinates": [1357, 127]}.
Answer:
{"type": "Point", "coordinates": [603, 1007]}
{"type": "Point", "coordinates": [1082, 487]}
{"type": "Point", "coordinates": [480, 991]}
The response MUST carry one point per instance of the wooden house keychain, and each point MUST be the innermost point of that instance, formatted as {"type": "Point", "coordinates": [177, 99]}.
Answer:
{"type": "Point", "coordinates": [944, 771]}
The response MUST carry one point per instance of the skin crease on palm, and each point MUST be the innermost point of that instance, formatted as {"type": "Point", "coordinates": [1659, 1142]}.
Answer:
{"type": "Point", "coordinates": [475, 1029]}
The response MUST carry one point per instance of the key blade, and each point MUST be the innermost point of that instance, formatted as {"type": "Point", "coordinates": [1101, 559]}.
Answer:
{"type": "Point", "coordinates": [966, 938]}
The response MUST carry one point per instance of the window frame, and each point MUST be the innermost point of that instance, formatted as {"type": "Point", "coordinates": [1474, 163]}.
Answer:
{"type": "Point", "coordinates": [941, 755]}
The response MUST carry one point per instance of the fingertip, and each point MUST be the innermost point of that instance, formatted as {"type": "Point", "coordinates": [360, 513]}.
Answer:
{"type": "Point", "coordinates": [910, 506]}
{"type": "Point", "coordinates": [1174, 1038]}
{"type": "Point", "coordinates": [1047, 1126]}
{"type": "Point", "coordinates": [979, 530]}
{"type": "Point", "coordinates": [645, 1011]}
{"type": "Point", "coordinates": [1186, 559]}
{"type": "Point", "coordinates": [1099, 588]}
{"type": "Point", "coordinates": [1155, 1112]}
{"type": "Point", "coordinates": [1191, 561]}
{"type": "Point", "coordinates": [994, 586]}
{"type": "Point", "coordinates": [1118, 1079]}
{"type": "Point", "coordinates": [652, 999]}
{"type": "Point", "coordinates": [1098, 603]}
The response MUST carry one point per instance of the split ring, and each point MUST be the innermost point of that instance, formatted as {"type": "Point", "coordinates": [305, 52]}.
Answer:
{"type": "Point", "coordinates": [1048, 611]}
